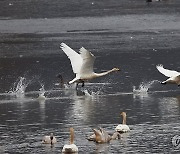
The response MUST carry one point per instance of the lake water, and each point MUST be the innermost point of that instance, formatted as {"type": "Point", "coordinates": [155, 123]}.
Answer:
{"type": "Point", "coordinates": [132, 35]}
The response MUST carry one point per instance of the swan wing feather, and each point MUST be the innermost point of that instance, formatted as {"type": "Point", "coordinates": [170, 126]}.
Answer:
{"type": "Point", "coordinates": [75, 58]}
{"type": "Point", "coordinates": [166, 72]}
{"type": "Point", "coordinates": [87, 61]}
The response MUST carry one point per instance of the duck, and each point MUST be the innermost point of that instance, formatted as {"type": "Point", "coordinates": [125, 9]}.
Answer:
{"type": "Point", "coordinates": [174, 76]}
{"type": "Point", "coordinates": [49, 139]}
{"type": "Point", "coordinates": [71, 147]}
{"type": "Point", "coordinates": [123, 128]}
{"type": "Point", "coordinates": [101, 136]}
{"type": "Point", "coordinates": [82, 65]}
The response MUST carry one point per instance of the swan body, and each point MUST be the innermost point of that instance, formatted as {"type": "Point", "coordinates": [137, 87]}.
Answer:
{"type": "Point", "coordinates": [49, 139]}
{"type": "Point", "coordinates": [101, 136]}
{"type": "Point", "coordinates": [82, 64]}
{"type": "Point", "coordinates": [174, 76]}
{"type": "Point", "coordinates": [70, 148]}
{"type": "Point", "coordinates": [123, 128]}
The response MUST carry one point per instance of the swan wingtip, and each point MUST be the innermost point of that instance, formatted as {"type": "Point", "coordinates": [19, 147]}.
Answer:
{"type": "Point", "coordinates": [159, 65]}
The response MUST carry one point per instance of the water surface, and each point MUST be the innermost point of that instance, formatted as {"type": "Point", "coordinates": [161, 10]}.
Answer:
{"type": "Point", "coordinates": [132, 35]}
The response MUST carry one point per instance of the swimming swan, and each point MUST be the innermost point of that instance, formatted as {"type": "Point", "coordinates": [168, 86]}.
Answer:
{"type": "Point", "coordinates": [101, 136]}
{"type": "Point", "coordinates": [49, 139]}
{"type": "Point", "coordinates": [174, 76]}
{"type": "Point", "coordinates": [70, 148]}
{"type": "Point", "coordinates": [82, 64]}
{"type": "Point", "coordinates": [123, 128]}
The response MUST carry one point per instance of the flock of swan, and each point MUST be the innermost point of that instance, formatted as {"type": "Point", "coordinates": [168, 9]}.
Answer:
{"type": "Point", "coordinates": [83, 62]}
{"type": "Point", "coordinates": [82, 65]}
{"type": "Point", "coordinates": [99, 136]}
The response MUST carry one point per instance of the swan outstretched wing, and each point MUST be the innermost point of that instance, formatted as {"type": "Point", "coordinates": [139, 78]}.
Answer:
{"type": "Point", "coordinates": [75, 58]}
{"type": "Point", "coordinates": [87, 61]}
{"type": "Point", "coordinates": [166, 72]}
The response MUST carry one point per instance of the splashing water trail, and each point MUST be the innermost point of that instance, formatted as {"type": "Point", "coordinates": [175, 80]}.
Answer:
{"type": "Point", "coordinates": [41, 93]}
{"type": "Point", "coordinates": [20, 87]}
{"type": "Point", "coordinates": [144, 87]}
{"type": "Point", "coordinates": [42, 90]}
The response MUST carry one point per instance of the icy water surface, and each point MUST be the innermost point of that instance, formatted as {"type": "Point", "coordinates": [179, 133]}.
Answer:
{"type": "Point", "coordinates": [132, 35]}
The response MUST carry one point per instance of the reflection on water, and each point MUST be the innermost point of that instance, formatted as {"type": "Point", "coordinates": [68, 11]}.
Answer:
{"type": "Point", "coordinates": [28, 121]}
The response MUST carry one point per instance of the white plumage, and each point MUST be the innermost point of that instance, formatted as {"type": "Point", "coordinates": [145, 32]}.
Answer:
{"type": "Point", "coordinates": [123, 128]}
{"type": "Point", "coordinates": [174, 76]}
{"type": "Point", "coordinates": [82, 64]}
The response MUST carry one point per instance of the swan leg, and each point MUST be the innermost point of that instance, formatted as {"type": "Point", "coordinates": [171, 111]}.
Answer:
{"type": "Point", "coordinates": [82, 83]}
{"type": "Point", "coordinates": [77, 85]}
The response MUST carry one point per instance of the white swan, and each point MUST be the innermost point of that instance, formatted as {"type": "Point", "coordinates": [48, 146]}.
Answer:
{"type": "Point", "coordinates": [82, 64]}
{"type": "Point", "coordinates": [174, 76]}
{"type": "Point", "coordinates": [70, 148]}
{"type": "Point", "coordinates": [123, 128]}
{"type": "Point", "coordinates": [49, 139]}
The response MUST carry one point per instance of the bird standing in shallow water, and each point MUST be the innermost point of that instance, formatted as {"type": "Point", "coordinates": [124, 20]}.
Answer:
{"type": "Point", "coordinates": [174, 76]}
{"type": "Point", "coordinates": [82, 64]}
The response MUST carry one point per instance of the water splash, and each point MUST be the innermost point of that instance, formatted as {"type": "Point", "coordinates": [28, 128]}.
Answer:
{"type": "Point", "coordinates": [42, 91]}
{"type": "Point", "coordinates": [19, 87]}
{"type": "Point", "coordinates": [144, 87]}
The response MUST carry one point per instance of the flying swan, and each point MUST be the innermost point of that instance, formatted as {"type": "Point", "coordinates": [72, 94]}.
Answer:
{"type": "Point", "coordinates": [174, 76]}
{"type": "Point", "coordinates": [70, 148]}
{"type": "Point", "coordinates": [123, 128]}
{"type": "Point", "coordinates": [82, 64]}
{"type": "Point", "coordinates": [49, 139]}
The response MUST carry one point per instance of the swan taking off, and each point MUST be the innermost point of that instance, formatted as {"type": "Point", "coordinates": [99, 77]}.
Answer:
{"type": "Point", "coordinates": [123, 128]}
{"type": "Point", "coordinates": [174, 76]}
{"type": "Point", "coordinates": [82, 64]}
{"type": "Point", "coordinates": [70, 148]}
{"type": "Point", "coordinates": [49, 139]}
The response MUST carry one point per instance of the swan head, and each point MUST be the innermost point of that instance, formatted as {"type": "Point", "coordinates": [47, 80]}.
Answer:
{"type": "Point", "coordinates": [59, 76]}
{"type": "Point", "coordinates": [123, 114]}
{"type": "Point", "coordinates": [115, 69]}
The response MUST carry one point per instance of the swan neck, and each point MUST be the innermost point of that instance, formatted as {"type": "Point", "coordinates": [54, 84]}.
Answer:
{"type": "Point", "coordinates": [103, 73]}
{"type": "Point", "coordinates": [124, 120]}
{"type": "Point", "coordinates": [61, 81]}
{"type": "Point", "coordinates": [71, 135]}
